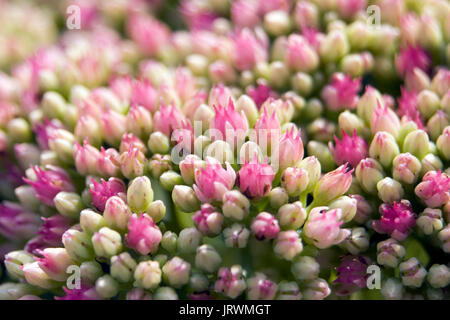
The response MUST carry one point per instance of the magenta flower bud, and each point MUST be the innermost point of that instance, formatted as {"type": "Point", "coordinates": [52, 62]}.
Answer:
{"type": "Point", "coordinates": [245, 13]}
{"type": "Point", "coordinates": [219, 96]}
{"type": "Point", "coordinates": [208, 220]}
{"type": "Point", "coordinates": [116, 213]}
{"type": "Point", "coordinates": [390, 253]}
{"type": "Point", "coordinates": [188, 166]}
{"type": "Point", "coordinates": [213, 181]}
{"type": "Point", "coordinates": [397, 220]}
{"type": "Point", "coordinates": [233, 125]}
{"type": "Point", "coordinates": [139, 121]}
{"type": "Point", "coordinates": [384, 148]}
{"type": "Point", "coordinates": [86, 158]}
{"type": "Point", "coordinates": [231, 281]}
{"type": "Point", "coordinates": [368, 173]}
{"type": "Point", "coordinates": [103, 190]}
{"type": "Point", "coordinates": [322, 227]}
{"type": "Point", "coordinates": [342, 92]}
{"type": "Point", "coordinates": [290, 149]}
{"type": "Point", "coordinates": [384, 119]}
{"type": "Point", "coordinates": [434, 189]}
{"type": "Point", "coordinates": [130, 141]}
{"type": "Point", "coordinates": [412, 272]}
{"type": "Point", "coordinates": [248, 50]}
{"type": "Point", "coordinates": [16, 222]}
{"type": "Point", "coordinates": [351, 149]}
{"type": "Point", "coordinates": [300, 56]}
{"type": "Point", "coordinates": [294, 181]}
{"type": "Point", "coordinates": [108, 164]}
{"type": "Point", "coordinates": [288, 245]}
{"type": "Point", "coordinates": [333, 184]}
{"type": "Point", "coordinates": [412, 57]}
{"type": "Point", "coordinates": [55, 262]}
{"type": "Point", "coordinates": [236, 236]}
{"type": "Point", "coordinates": [49, 183]}
{"type": "Point", "coordinates": [352, 275]}
{"type": "Point", "coordinates": [259, 95]}
{"type": "Point", "coordinates": [43, 131]}
{"type": "Point", "coordinates": [265, 226]}
{"type": "Point", "coordinates": [259, 287]}
{"type": "Point", "coordinates": [52, 229]}
{"type": "Point", "coordinates": [89, 129]}
{"type": "Point", "coordinates": [143, 234]}
{"type": "Point", "coordinates": [149, 34]}
{"type": "Point", "coordinates": [176, 272]}
{"type": "Point", "coordinates": [35, 276]}
{"type": "Point", "coordinates": [267, 128]}
{"type": "Point", "coordinates": [406, 168]}
{"type": "Point", "coordinates": [144, 94]}
{"type": "Point", "coordinates": [255, 179]}
{"type": "Point", "coordinates": [132, 163]}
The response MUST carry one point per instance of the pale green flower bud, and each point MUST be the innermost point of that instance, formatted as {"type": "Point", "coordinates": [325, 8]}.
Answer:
{"type": "Point", "coordinates": [170, 179]}
{"type": "Point", "coordinates": [176, 272]}
{"type": "Point", "coordinates": [350, 122]}
{"type": "Point", "coordinates": [27, 197]}
{"type": "Point", "coordinates": [35, 276]}
{"type": "Point", "coordinates": [313, 109]}
{"type": "Point", "coordinates": [235, 205]}
{"type": "Point", "coordinates": [334, 46]}
{"type": "Point", "coordinates": [19, 130]}
{"type": "Point", "coordinates": [278, 197]}
{"type": "Point", "coordinates": [278, 75]}
{"type": "Point", "coordinates": [317, 289]}
{"type": "Point", "coordinates": [321, 152]}
{"type": "Point", "coordinates": [417, 143]}
{"type": "Point", "coordinates": [347, 205]}
{"type": "Point", "coordinates": [302, 83]}
{"type": "Point", "coordinates": [294, 181]}
{"type": "Point", "coordinates": [305, 268]}
{"type": "Point", "coordinates": [117, 213]}
{"type": "Point", "coordinates": [277, 23]}
{"type": "Point", "coordinates": [203, 114]}
{"type": "Point", "coordinates": [291, 216]}
{"type": "Point", "coordinates": [156, 210]}
{"type": "Point", "coordinates": [106, 286]}
{"type": "Point", "coordinates": [246, 104]}
{"type": "Point", "coordinates": [390, 252]}
{"type": "Point", "coordinates": [384, 148]}
{"type": "Point", "coordinates": [412, 272]}
{"type": "Point", "coordinates": [438, 276]}
{"type": "Point", "coordinates": [53, 105]}
{"type": "Point", "coordinates": [78, 245]}
{"type": "Point", "coordinates": [437, 123]}
{"type": "Point", "coordinates": [14, 262]}
{"type": "Point", "coordinates": [107, 243]}
{"type": "Point", "coordinates": [169, 241]}
{"type": "Point", "coordinates": [158, 143]}
{"type": "Point", "coordinates": [147, 274]}
{"type": "Point", "coordinates": [140, 194]}
{"type": "Point", "coordinates": [91, 221]}
{"type": "Point", "coordinates": [90, 271]}
{"type": "Point", "coordinates": [288, 244]}
{"type": "Point", "coordinates": [69, 204]}
{"type": "Point", "coordinates": [221, 151]}
{"type": "Point", "coordinates": [392, 289]}
{"type": "Point", "coordinates": [431, 162]}
{"type": "Point", "coordinates": [357, 241]}
{"type": "Point", "coordinates": [199, 282]}
{"type": "Point", "coordinates": [368, 173]}
{"type": "Point", "coordinates": [185, 198]}
{"type": "Point", "coordinates": [236, 236]}
{"type": "Point", "coordinates": [430, 221]}
{"type": "Point", "coordinates": [443, 143]}
{"type": "Point", "coordinates": [122, 267]}
{"type": "Point", "coordinates": [390, 190]}
{"type": "Point", "coordinates": [188, 240]}
{"type": "Point", "coordinates": [406, 168]}
{"type": "Point", "coordinates": [165, 293]}
{"type": "Point", "coordinates": [288, 291]}
{"type": "Point", "coordinates": [207, 259]}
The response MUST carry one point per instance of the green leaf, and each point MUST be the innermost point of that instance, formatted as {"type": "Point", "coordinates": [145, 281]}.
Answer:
{"type": "Point", "coordinates": [415, 249]}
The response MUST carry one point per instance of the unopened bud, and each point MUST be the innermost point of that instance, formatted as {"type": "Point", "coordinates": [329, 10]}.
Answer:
{"type": "Point", "coordinates": [260, 287]}
{"type": "Point", "coordinates": [156, 210]}
{"type": "Point", "coordinates": [412, 272]}
{"type": "Point", "coordinates": [106, 286]}
{"type": "Point", "coordinates": [392, 289]}
{"type": "Point", "coordinates": [207, 259]}
{"type": "Point", "coordinates": [158, 143]}
{"type": "Point", "coordinates": [107, 243]}
{"type": "Point", "coordinates": [288, 244]}
{"type": "Point", "coordinates": [188, 240]}
{"type": "Point", "coordinates": [14, 262]}
{"type": "Point", "coordinates": [294, 181]}
{"type": "Point", "coordinates": [417, 143]}
{"type": "Point", "coordinates": [117, 213]}
{"type": "Point", "coordinates": [406, 168]}
{"type": "Point", "coordinates": [122, 267]}
{"type": "Point", "coordinates": [140, 194]}
{"type": "Point", "coordinates": [91, 221]}
{"type": "Point", "coordinates": [185, 198]}
{"type": "Point", "coordinates": [90, 271]}
{"type": "Point", "coordinates": [53, 105]}
{"type": "Point", "coordinates": [235, 205]}
{"type": "Point", "coordinates": [170, 179]}
{"type": "Point", "coordinates": [236, 236]}
{"type": "Point", "coordinates": [347, 205]}
{"type": "Point", "coordinates": [291, 216]}
{"type": "Point", "coordinates": [278, 197]}
{"type": "Point", "coordinates": [69, 204]}
{"type": "Point", "coordinates": [390, 190]}
{"type": "Point", "coordinates": [277, 22]}
{"type": "Point", "coordinates": [317, 289]}
{"type": "Point", "coordinates": [430, 221]}
{"type": "Point", "coordinates": [384, 148]}
{"type": "Point", "coordinates": [439, 276]}
{"type": "Point", "coordinates": [176, 272]}
{"type": "Point", "coordinates": [390, 252]}
{"type": "Point", "coordinates": [78, 245]}
{"type": "Point", "coordinates": [19, 130]}
{"type": "Point", "coordinates": [357, 241]}
{"type": "Point", "coordinates": [147, 275]}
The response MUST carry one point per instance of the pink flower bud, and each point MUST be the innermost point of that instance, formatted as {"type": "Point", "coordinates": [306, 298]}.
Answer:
{"type": "Point", "coordinates": [408, 107]}
{"type": "Point", "coordinates": [213, 181]}
{"type": "Point", "coordinates": [288, 244]}
{"type": "Point", "coordinates": [168, 119]}
{"type": "Point", "coordinates": [148, 33]}
{"type": "Point", "coordinates": [188, 166]}
{"type": "Point", "coordinates": [43, 131]}
{"type": "Point", "coordinates": [16, 222]}
{"type": "Point", "coordinates": [397, 220]}
{"type": "Point", "coordinates": [322, 227]}
{"type": "Point", "coordinates": [51, 231]}
{"type": "Point", "coordinates": [441, 81]}
{"type": "Point", "coordinates": [265, 226]}
{"type": "Point", "coordinates": [132, 163]}
{"type": "Point", "coordinates": [231, 281]}
{"type": "Point", "coordinates": [116, 213]}
{"type": "Point", "coordinates": [290, 149]}
{"type": "Point", "coordinates": [333, 184]}
{"type": "Point", "coordinates": [130, 141]}
{"type": "Point", "coordinates": [434, 189]}
{"type": "Point", "coordinates": [349, 8]}
{"type": "Point", "coordinates": [255, 179]}
{"type": "Point", "coordinates": [143, 234]}
{"type": "Point", "coordinates": [300, 56]}
{"type": "Point", "coordinates": [49, 183]}
{"type": "Point", "coordinates": [229, 122]}
{"type": "Point", "coordinates": [248, 50]}
{"type": "Point", "coordinates": [88, 128]}
{"type": "Point", "coordinates": [84, 293]}
{"type": "Point", "coordinates": [139, 121]}
{"type": "Point", "coordinates": [208, 220]}
{"type": "Point", "coordinates": [196, 16]}
{"type": "Point", "coordinates": [222, 72]}
{"type": "Point", "coordinates": [244, 13]}
{"type": "Point", "coordinates": [342, 92]}
{"type": "Point", "coordinates": [260, 287]}
{"type": "Point", "coordinates": [306, 15]}
{"type": "Point", "coordinates": [295, 181]}
{"type": "Point", "coordinates": [384, 119]}
{"type": "Point", "coordinates": [102, 191]}
{"type": "Point", "coordinates": [351, 149]}
{"type": "Point", "coordinates": [54, 263]}
{"type": "Point", "coordinates": [267, 128]}
{"type": "Point", "coordinates": [406, 168]}
{"type": "Point", "coordinates": [86, 158]}
{"type": "Point", "coordinates": [144, 94]}
{"type": "Point", "coordinates": [219, 95]}
{"type": "Point", "coordinates": [108, 164]}
{"type": "Point", "coordinates": [410, 58]}
{"type": "Point", "coordinates": [261, 93]}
